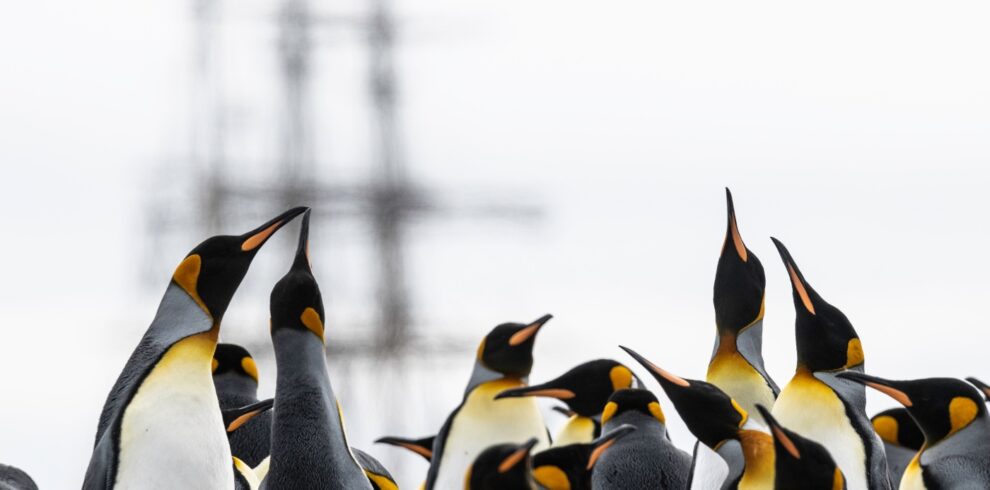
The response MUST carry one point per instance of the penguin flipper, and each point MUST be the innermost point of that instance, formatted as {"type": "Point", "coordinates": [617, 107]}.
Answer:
{"type": "Point", "coordinates": [708, 469]}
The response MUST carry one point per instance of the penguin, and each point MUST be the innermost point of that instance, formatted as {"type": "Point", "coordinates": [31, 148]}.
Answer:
{"type": "Point", "coordinates": [644, 458]}
{"type": "Point", "coordinates": [820, 406]}
{"type": "Point", "coordinates": [569, 467]}
{"type": "Point", "coordinates": [235, 420]}
{"type": "Point", "coordinates": [799, 462]}
{"type": "Point", "coordinates": [502, 467]}
{"type": "Point", "coordinates": [739, 297]}
{"type": "Point", "coordinates": [12, 478]}
{"type": "Point", "coordinates": [901, 437]}
{"type": "Point", "coordinates": [503, 361]}
{"type": "Point", "coordinates": [953, 418]}
{"type": "Point", "coordinates": [161, 425]}
{"type": "Point", "coordinates": [422, 446]}
{"type": "Point", "coordinates": [585, 389]}
{"type": "Point", "coordinates": [983, 387]}
{"type": "Point", "coordinates": [235, 376]}
{"type": "Point", "coordinates": [720, 423]}
{"type": "Point", "coordinates": [309, 446]}
{"type": "Point", "coordinates": [377, 474]}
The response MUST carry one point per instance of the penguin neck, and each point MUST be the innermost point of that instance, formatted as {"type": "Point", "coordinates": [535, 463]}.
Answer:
{"type": "Point", "coordinates": [482, 374]}
{"type": "Point", "coordinates": [235, 389]}
{"type": "Point", "coordinates": [759, 459]}
{"type": "Point", "coordinates": [971, 439]}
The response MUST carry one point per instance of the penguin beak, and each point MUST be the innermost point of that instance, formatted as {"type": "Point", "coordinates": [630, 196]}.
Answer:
{"type": "Point", "coordinates": [235, 418]}
{"type": "Point", "coordinates": [529, 331]}
{"type": "Point", "coordinates": [518, 455]}
{"type": "Point", "coordinates": [257, 237]}
{"type": "Point", "coordinates": [606, 441]}
{"type": "Point", "coordinates": [983, 387]}
{"type": "Point", "coordinates": [302, 261]}
{"type": "Point", "coordinates": [416, 446]}
{"type": "Point", "coordinates": [798, 284]}
{"type": "Point", "coordinates": [732, 229]}
{"type": "Point", "coordinates": [545, 389]}
{"type": "Point", "coordinates": [778, 433]}
{"type": "Point", "coordinates": [884, 386]}
{"type": "Point", "coordinates": [657, 372]}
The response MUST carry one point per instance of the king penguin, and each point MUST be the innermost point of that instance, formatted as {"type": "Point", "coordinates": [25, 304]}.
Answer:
{"type": "Point", "coordinates": [737, 365]}
{"type": "Point", "coordinates": [502, 467]}
{"type": "Point", "coordinates": [954, 420]}
{"type": "Point", "coordinates": [12, 478]}
{"type": "Point", "coordinates": [503, 361]}
{"type": "Point", "coordinates": [570, 467]}
{"type": "Point", "coordinates": [309, 446]}
{"type": "Point", "coordinates": [642, 459]}
{"type": "Point", "coordinates": [720, 423]}
{"type": "Point", "coordinates": [235, 376]}
{"type": "Point", "coordinates": [235, 420]}
{"type": "Point", "coordinates": [585, 389]}
{"type": "Point", "coordinates": [901, 437]}
{"type": "Point", "coordinates": [820, 406]}
{"type": "Point", "coordinates": [161, 425]}
{"type": "Point", "coordinates": [801, 463]}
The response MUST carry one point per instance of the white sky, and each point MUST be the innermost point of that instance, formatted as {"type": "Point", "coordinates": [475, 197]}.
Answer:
{"type": "Point", "coordinates": [856, 132]}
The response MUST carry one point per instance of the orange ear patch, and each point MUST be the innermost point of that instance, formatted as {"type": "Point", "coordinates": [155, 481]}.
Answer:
{"type": "Point", "coordinates": [311, 319]}
{"type": "Point", "coordinates": [249, 367]}
{"type": "Point", "coordinates": [621, 378]}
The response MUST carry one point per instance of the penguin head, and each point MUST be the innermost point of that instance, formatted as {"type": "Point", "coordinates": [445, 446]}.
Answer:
{"type": "Point", "coordinates": [983, 387]}
{"type": "Point", "coordinates": [213, 270]}
{"type": "Point", "coordinates": [631, 405]}
{"type": "Point", "coordinates": [585, 389]}
{"type": "Point", "coordinates": [508, 348]}
{"type": "Point", "coordinates": [739, 280]}
{"type": "Point", "coordinates": [296, 302]}
{"type": "Point", "coordinates": [940, 406]}
{"type": "Point", "coordinates": [423, 447]}
{"type": "Point", "coordinates": [569, 467]}
{"type": "Point", "coordinates": [826, 340]}
{"type": "Point", "coordinates": [895, 426]}
{"type": "Point", "coordinates": [235, 360]}
{"type": "Point", "coordinates": [503, 467]}
{"type": "Point", "coordinates": [800, 461]}
{"type": "Point", "coordinates": [710, 414]}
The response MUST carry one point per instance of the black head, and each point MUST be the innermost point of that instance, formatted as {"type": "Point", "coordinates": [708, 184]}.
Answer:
{"type": "Point", "coordinates": [896, 426]}
{"type": "Point", "coordinates": [585, 389]}
{"type": "Point", "coordinates": [800, 462]}
{"type": "Point", "coordinates": [711, 415]}
{"type": "Point", "coordinates": [422, 447]}
{"type": "Point", "coordinates": [940, 406]}
{"type": "Point", "coordinates": [232, 358]}
{"type": "Point", "coordinates": [503, 467]}
{"type": "Point", "coordinates": [739, 280]}
{"type": "Point", "coordinates": [214, 269]}
{"type": "Point", "coordinates": [634, 400]}
{"type": "Point", "coordinates": [983, 387]}
{"type": "Point", "coordinates": [826, 340]}
{"type": "Point", "coordinates": [296, 301]}
{"type": "Point", "coordinates": [508, 348]}
{"type": "Point", "coordinates": [569, 467]}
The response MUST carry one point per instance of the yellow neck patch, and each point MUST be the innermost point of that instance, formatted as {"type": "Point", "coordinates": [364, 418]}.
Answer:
{"type": "Point", "coordinates": [186, 275]}
{"type": "Point", "coordinates": [248, 365]}
{"type": "Point", "coordinates": [760, 458]}
{"type": "Point", "coordinates": [886, 428]}
{"type": "Point", "coordinates": [742, 412]}
{"type": "Point", "coordinates": [962, 411]}
{"type": "Point", "coordinates": [621, 378]}
{"type": "Point", "coordinates": [551, 478]}
{"type": "Point", "coordinates": [311, 319]}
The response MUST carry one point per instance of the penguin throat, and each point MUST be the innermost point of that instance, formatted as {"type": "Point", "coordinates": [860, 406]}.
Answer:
{"type": "Point", "coordinates": [759, 457]}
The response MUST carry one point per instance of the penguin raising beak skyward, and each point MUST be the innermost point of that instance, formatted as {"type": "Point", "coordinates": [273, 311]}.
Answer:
{"type": "Point", "coordinates": [585, 389]}
{"type": "Point", "coordinates": [502, 467]}
{"type": "Point", "coordinates": [721, 424]}
{"type": "Point", "coordinates": [820, 406]}
{"type": "Point", "coordinates": [901, 437]}
{"type": "Point", "coordinates": [503, 361]}
{"type": "Point", "coordinates": [739, 297]}
{"type": "Point", "coordinates": [570, 467]}
{"type": "Point", "coordinates": [954, 420]}
{"type": "Point", "coordinates": [161, 425]}
{"type": "Point", "coordinates": [801, 463]}
{"type": "Point", "coordinates": [309, 445]}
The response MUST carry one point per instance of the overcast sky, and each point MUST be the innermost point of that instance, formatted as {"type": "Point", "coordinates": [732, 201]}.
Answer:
{"type": "Point", "coordinates": [856, 132]}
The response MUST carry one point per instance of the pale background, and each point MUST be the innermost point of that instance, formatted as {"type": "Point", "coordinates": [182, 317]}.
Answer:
{"type": "Point", "coordinates": [856, 132]}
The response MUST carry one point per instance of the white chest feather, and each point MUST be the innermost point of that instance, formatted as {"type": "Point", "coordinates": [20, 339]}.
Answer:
{"type": "Point", "coordinates": [810, 408]}
{"type": "Point", "coordinates": [577, 430]}
{"type": "Point", "coordinates": [483, 421]}
{"type": "Point", "coordinates": [172, 433]}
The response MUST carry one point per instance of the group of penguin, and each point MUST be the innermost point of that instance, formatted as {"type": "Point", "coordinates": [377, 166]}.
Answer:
{"type": "Point", "coordinates": [184, 412]}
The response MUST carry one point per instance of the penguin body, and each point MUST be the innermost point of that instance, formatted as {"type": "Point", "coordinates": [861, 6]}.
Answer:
{"type": "Point", "coordinates": [501, 467]}
{"type": "Point", "coordinates": [902, 439]}
{"type": "Point", "coordinates": [503, 362]}
{"type": "Point", "coordinates": [161, 425]}
{"type": "Point", "coordinates": [799, 462]}
{"type": "Point", "coordinates": [12, 478]}
{"type": "Point", "coordinates": [736, 364]}
{"type": "Point", "coordinates": [309, 448]}
{"type": "Point", "coordinates": [235, 376]}
{"type": "Point", "coordinates": [570, 467]}
{"type": "Point", "coordinates": [818, 404]}
{"type": "Point", "coordinates": [644, 458]}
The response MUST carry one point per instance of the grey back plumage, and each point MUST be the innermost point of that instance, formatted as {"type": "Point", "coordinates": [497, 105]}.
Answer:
{"type": "Point", "coordinates": [12, 478]}
{"type": "Point", "coordinates": [643, 459]}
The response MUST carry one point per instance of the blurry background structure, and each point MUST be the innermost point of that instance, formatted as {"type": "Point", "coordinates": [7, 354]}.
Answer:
{"type": "Point", "coordinates": [474, 163]}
